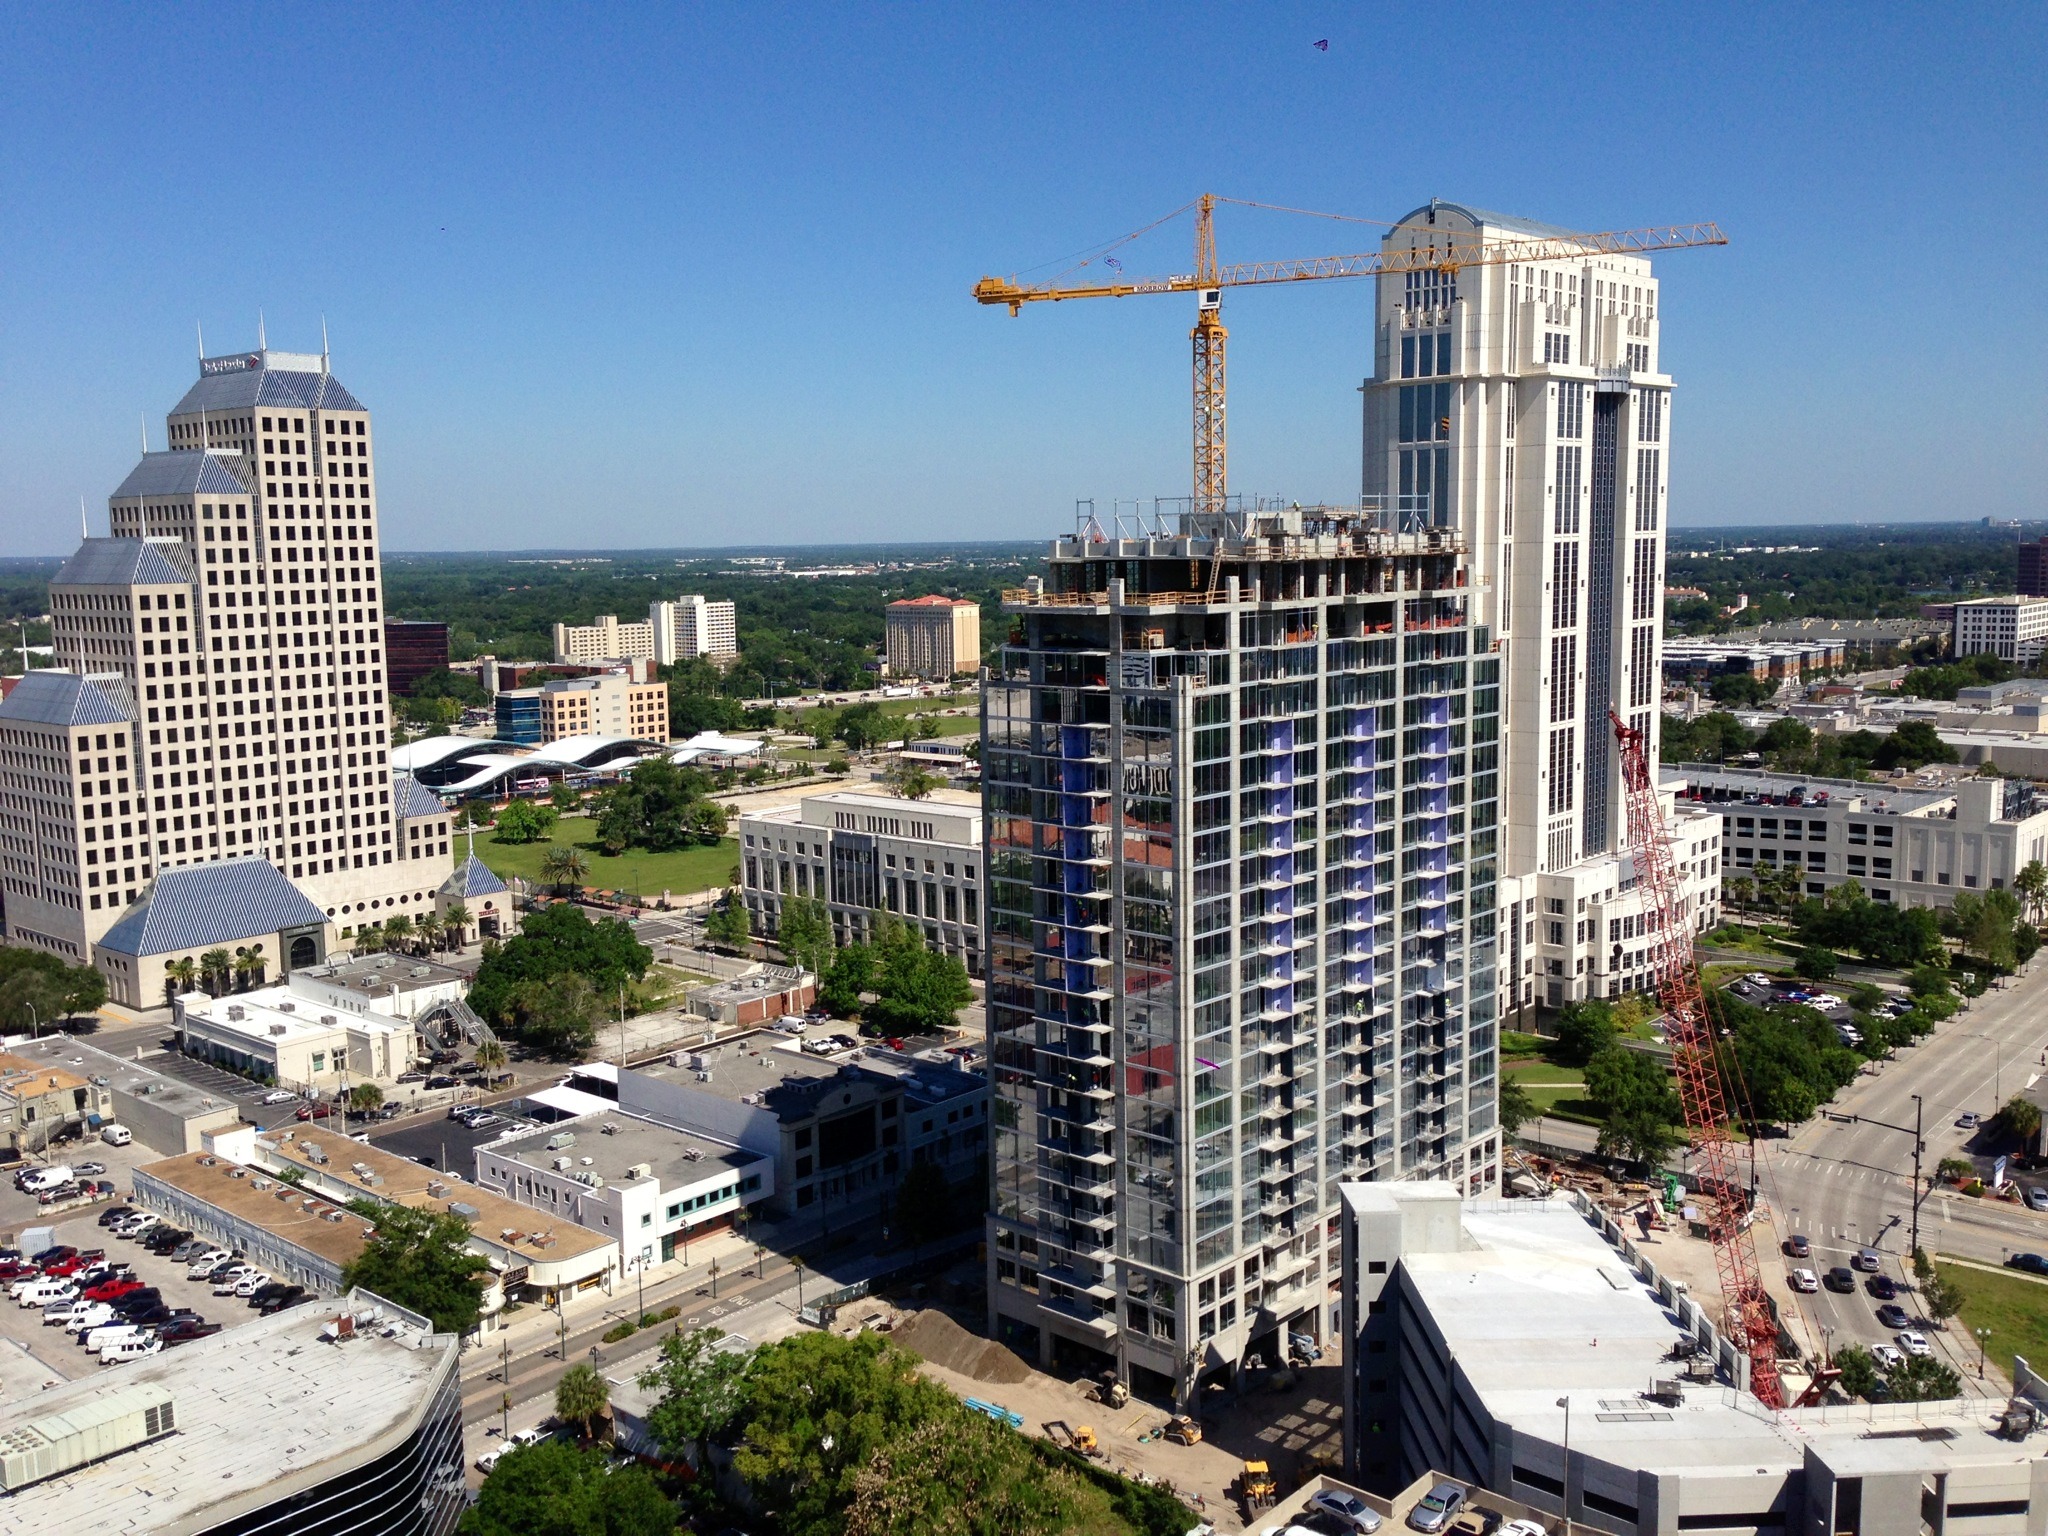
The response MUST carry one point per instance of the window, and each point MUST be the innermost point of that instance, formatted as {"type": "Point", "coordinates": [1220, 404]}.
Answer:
{"type": "Point", "coordinates": [1562, 750]}
{"type": "Point", "coordinates": [1649, 474]}
{"type": "Point", "coordinates": [1565, 510]}
{"type": "Point", "coordinates": [1564, 586]}
{"type": "Point", "coordinates": [1564, 687]}
{"type": "Point", "coordinates": [1571, 410]}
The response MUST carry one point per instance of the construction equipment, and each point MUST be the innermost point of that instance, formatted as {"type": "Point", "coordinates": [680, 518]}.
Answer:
{"type": "Point", "coordinates": [1747, 1318]}
{"type": "Point", "coordinates": [1112, 1390]}
{"type": "Point", "coordinates": [1256, 1487]}
{"type": "Point", "coordinates": [1210, 278]}
{"type": "Point", "coordinates": [1080, 1440]}
{"type": "Point", "coordinates": [1182, 1430]}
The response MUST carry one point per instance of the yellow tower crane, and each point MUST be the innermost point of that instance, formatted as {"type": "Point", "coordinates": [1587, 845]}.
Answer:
{"type": "Point", "coordinates": [1444, 252]}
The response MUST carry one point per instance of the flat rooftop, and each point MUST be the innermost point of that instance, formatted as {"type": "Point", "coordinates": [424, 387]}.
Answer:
{"type": "Point", "coordinates": [263, 1410]}
{"type": "Point", "coordinates": [518, 1228]}
{"type": "Point", "coordinates": [1879, 797]}
{"type": "Point", "coordinates": [295, 1216]}
{"type": "Point", "coordinates": [608, 1144]}
{"type": "Point", "coordinates": [1536, 1306]}
{"type": "Point", "coordinates": [377, 975]}
{"type": "Point", "coordinates": [31, 1078]}
{"type": "Point", "coordinates": [749, 1065]}
{"type": "Point", "coordinates": [173, 1095]}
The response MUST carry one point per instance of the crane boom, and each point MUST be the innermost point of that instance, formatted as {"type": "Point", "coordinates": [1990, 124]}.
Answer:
{"type": "Point", "coordinates": [1209, 279]}
{"type": "Point", "coordinates": [1747, 1315]}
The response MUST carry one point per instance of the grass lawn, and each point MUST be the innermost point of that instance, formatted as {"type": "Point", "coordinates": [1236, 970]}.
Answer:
{"type": "Point", "coordinates": [636, 871]}
{"type": "Point", "coordinates": [2014, 1309]}
{"type": "Point", "coordinates": [1554, 1090]}
{"type": "Point", "coordinates": [1531, 1072]}
{"type": "Point", "coordinates": [1748, 940]}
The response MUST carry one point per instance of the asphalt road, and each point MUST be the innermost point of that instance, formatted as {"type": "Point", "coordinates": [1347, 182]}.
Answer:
{"type": "Point", "coordinates": [1849, 1184]}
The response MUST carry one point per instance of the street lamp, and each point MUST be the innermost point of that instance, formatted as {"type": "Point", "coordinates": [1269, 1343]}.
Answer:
{"type": "Point", "coordinates": [1982, 1335]}
{"type": "Point", "coordinates": [1566, 1404]}
{"type": "Point", "coordinates": [1997, 1064]}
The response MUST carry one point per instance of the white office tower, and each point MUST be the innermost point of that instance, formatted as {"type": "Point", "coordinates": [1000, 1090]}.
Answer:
{"type": "Point", "coordinates": [1526, 405]}
{"type": "Point", "coordinates": [219, 688]}
{"type": "Point", "coordinates": [692, 626]}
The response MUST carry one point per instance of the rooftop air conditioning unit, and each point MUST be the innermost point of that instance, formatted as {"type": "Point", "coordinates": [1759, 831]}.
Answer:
{"type": "Point", "coordinates": [639, 1171]}
{"type": "Point", "coordinates": [463, 1209]}
{"type": "Point", "coordinates": [236, 1011]}
{"type": "Point", "coordinates": [691, 1154]}
{"type": "Point", "coordinates": [208, 1162]}
{"type": "Point", "coordinates": [259, 1183]}
{"type": "Point", "coordinates": [280, 1029]}
{"type": "Point", "coordinates": [564, 1164]}
{"type": "Point", "coordinates": [287, 1006]}
{"type": "Point", "coordinates": [326, 1018]}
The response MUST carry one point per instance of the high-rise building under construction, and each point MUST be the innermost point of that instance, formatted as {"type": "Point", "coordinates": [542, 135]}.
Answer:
{"type": "Point", "coordinates": [1287, 806]}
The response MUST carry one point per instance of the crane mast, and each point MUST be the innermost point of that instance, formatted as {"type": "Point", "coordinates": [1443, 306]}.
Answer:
{"type": "Point", "coordinates": [1747, 1315]}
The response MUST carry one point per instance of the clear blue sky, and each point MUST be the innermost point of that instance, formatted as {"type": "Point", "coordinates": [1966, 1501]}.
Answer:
{"type": "Point", "coordinates": [650, 276]}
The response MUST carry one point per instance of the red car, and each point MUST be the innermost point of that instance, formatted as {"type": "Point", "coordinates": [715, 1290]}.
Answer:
{"type": "Point", "coordinates": [18, 1269]}
{"type": "Point", "coordinates": [313, 1112]}
{"type": "Point", "coordinates": [113, 1290]}
{"type": "Point", "coordinates": [65, 1268]}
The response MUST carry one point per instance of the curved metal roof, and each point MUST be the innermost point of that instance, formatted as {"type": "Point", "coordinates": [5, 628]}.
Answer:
{"type": "Point", "coordinates": [1512, 222]}
{"type": "Point", "coordinates": [430, 750]}
{"type": "Point", "coordinates": [579, 751]}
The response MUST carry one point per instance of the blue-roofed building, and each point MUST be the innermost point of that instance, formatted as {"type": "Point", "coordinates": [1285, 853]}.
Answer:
{"type": "Point", "coordinates": [476, 895]}
{"type": "Point", "coordinates": [423, 821]}
{"type": "Point", "coordinates": [235, 905]}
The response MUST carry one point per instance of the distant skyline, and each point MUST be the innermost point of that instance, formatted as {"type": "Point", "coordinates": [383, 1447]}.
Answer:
{"type": "Point", "coordinates": [688, 278]}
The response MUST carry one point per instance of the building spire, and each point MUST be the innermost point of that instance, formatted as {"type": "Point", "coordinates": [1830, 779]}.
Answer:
{"type": "Point", "coordinates": [261, 344]}
{"type": "Point", "coordinates": [202, 339]}
{"type": "Point", "coordinates": [145, 432]}
{"type": "Point", "coordinates": [323, 345]}
{"type": "Point", "coordinates": [81, 517]}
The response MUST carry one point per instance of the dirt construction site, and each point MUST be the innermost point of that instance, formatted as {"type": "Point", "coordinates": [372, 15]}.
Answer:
{"type": "Point", "coordinates": [1296, 1429]}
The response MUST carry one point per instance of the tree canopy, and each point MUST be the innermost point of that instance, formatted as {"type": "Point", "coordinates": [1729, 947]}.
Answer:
{"type": "Point", "coordinates": [36, 989]}
{"type": "Point", "coordinates": [659, 807]}
{"type": "Point", "coordinates": [552, 1489]}
{"type": "Point", "coordinates": [524, 822]}
{"type": "Point", "coordinates": [557, 941]}
{"type": "Point", "coordinates": [420, 1259]}
{"type": "Point", "coordinates": [804, 931]}
{"type": "Point", "coordinates": [917, 990]}
{"type": "Point", "coordinates": [1881, 932]}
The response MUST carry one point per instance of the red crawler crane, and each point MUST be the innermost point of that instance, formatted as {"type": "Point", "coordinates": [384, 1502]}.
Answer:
{"type": "Point", "coordinates": [1748, 1319]}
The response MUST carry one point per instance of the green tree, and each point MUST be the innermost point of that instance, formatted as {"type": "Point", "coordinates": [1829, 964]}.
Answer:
{"type": "Point", "coordinates": [1941, 1298]}
{"type": "Point", "coordinates": [557, 1015]}
{"type": "Point", "coordinates": [554, 1489]}
{"type": "Point", "coordinates": [563, 798]}
{"type": "Point", "coordinates": [558, 941]}
{"type": "Point", "coordinates": [36, 988]}
{"type": "Point", "coordinates": [702, 1391]}
{"type": "Point", "coordinates": [804, 931]}
{"type": "Point", "coordinates": [1515, 1107]}
{"type": "Point", "coordinates": [727, 924]}
{"type": "Point", "coordinates": [491, 1059]}
{"type": "Point", "coordinates": [398, 931]}
{"type": "Point", "coordinates": [1637, 1135]}
{"type": "Point", "coordinates": [1621, 1081]}
{"type": "Point", "coordinates": [917, 990]}
{"type": "Point", "coordinates": [861, 725]}
{"type": "Point", "coordinates": [661, 806]}
{"type": "Point", "coordinates": [1955, 1169]}
{"type": "Point", "coordinates": [1923, 1267]}
{"type": "Point", "coordinates": [565, 868]}
{"type": "Point", "coordinates": [1740, 690]}
{"type": "Point", "coordinates": [1584, 1030]}
{"type": "Point", "coordinates": [1921, 1379]}
{"type": "Point", "coordinates": [851, 973]}
{"type": "Point", "coordinates": [1914, 744]}
{"type": "Point", "coordinates": [911, 781]}
{"type": "Point", "coordinates": [582, 1398]}
{"type": "Point", "coordinates": [524, 822]}
{"type": "Point", "coordinates": [925, 727]}
{"type": "Point", "coordinates": [1739, 891]}
{"type": "Point", "coordinates": [2031, 886]}
{"type": "Point", "coordinates": [1817, 963]}
{"type": "Point", "coordinates": [249, 966]}
{"type": "Point", "coordinates": [2019, 1119]}
{"type": "Point", "coordinates": [215, 965]}
{"type": "Point", "coordinates": [365, 1098]}
{"type": "Point", "coordinates": [179, 976]}
{"type": "Point", "coordinates": [1858, 1366]}
{"type": "Point", "coordinates": [1984, 922]}
{"type": "Point", "coordinates": [420, 1259]}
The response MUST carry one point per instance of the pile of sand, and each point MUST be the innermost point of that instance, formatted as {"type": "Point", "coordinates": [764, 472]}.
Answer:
{"type": "Point", "coordinates": [936, 1337]}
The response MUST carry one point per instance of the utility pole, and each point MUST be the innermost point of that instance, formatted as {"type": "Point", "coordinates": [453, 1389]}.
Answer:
{"type": "Point", "coordinates": [1566, 1404]}
{"type": "Point", "coordinates": [1919, 1146]}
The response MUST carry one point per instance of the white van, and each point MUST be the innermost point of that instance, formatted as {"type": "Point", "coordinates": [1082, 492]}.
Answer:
{"type": "Point", "coordinates": [36, 1180]}
{"type": "Point", "coordinates": [110, 1333]}
{"type": "Point", "coordinates": [115, 1135]}
{"type": "Point", "coordinates": [42, 1293]}
{"type": "Point", "coordinates": [137, 1348]}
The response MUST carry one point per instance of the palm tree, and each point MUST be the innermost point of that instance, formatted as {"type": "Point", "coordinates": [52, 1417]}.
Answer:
{"type": "Point", "coordinates": [2032, 885]}
{"type": "Point", "coordinates": [564, 868]}
{"type": "Point", "coordinates": [215, 965]}
{"type": "Point", "coordinates": [455, 927]}
{"type": "Point", "coordinates": [179, 976]}
{"type": "Point", "coordinates": [491, 1058]}
{"type": "Point", "coordinates": [398, 931]}
{"type": "Point", "coordinates": [248, 966]}
{"type": "Point", "coordinates": [582, 1397]}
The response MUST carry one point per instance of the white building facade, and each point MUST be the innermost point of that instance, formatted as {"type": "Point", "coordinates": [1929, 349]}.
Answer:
{"type": "Point", "coordinates": [239, 602]}
{"type": "Point", "coordinates": [2013, 629]}
{"type": "Point", "coordinates": [1527, 405]}
{"type": "Point", "coordinates": [693, 626]}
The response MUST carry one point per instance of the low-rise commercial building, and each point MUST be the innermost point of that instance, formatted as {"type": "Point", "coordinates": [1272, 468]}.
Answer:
{"type": "Point", "coordinates": [866, 856]}
{"type": "Point", "coordinates": [293, 1233]}
{"type": "Point", "coordinates": [187, 911]}
{"type": "Point", "coordinates": [762, 996]}
{"type": "Point", "coordinates": [652, 1187]}
{"type": "Point", "coordinates": [321, 1030]}
{"type": "Point", "coordinates": [2013, 629]}
{"type": "Point", "coordinates": [286, 1425]}
{"type": "Point", "coordinates": [164, 1113]}
{"type": "Point", "coordinates": [1912, 847]}
{"type": "Point", "coordinates": [41, 1102]}
{"type": "Point", "coordinates": [1695, 661]}
{"type": "Point", "coordinates": [933, 637]}
{"type": "Point", "coordinates": [841, 1132]}
{"type": "Point", "coordinates": [610, 704]}
{"type": "Point", "coordinates": [1473, 1330]}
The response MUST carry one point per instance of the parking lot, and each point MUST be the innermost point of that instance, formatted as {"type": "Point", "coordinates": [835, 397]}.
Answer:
{"type": "Point", "coordinates": [55, 1354]}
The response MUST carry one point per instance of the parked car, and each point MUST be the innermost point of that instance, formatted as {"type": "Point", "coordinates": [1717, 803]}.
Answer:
{"type": "Point", "coordinates": [410, 1077]}
{"type": "Point", "coordinates": [224, 1285]}
{"type": "Point", "coordinates": [114, 1213]}
{"type": "Point", "coordinates": [2032, 1263]}
{"type": "Point", "coordinates": [1803, 1281]}
{"type": "Point", "coordinates": [1437, 1508]}
{"type": "Point", "coordinates": [484, 1122]}
{"type": "Point", "coordinates": [110, 1290]}
{"type": "Point", "coordinates": [1799, 1246]}
{"type": "Point", "coordinates": [18, 1269]}
{"type": "Point", "coordinates": [100, 1337]}
{"type": "Point", "coordinates": [186, 1329]}
{"type": "Point", "coordinates": [290, 1296]}
{"type": "Point", "coordinates": [314, 1112]}
{"type": "Point", "coordinates": [1883, 1287]}
{"type": "Point", "coordinates": [2037, 1198]}
{"type": "Point", "coordinates": [89, 1169]}
{"type": "Point", "coordinates": [1886, 1356]}
{"type": "Point", "coordinates": [280, 1096]}
{"type": "Point", "coordinates": [1840, 1279]}
{"type": "Point", "coordinates": [1915, 1344]}
{"type": "Point", "coordinates": [443, 1080]}
{"type": "Point", "coordinates": [1867, 1260]}
{"type": "Point", "coordinates": [41, 1293]}
{"type": "Point", "coordinates": [1356, 1514]}
{"type": "Point", "coordinates": [200, 1265]}
{"type": "Point", "coordinates": [1893, 1316]}
{"type": "Point", "coordinates": [141, 1347]}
